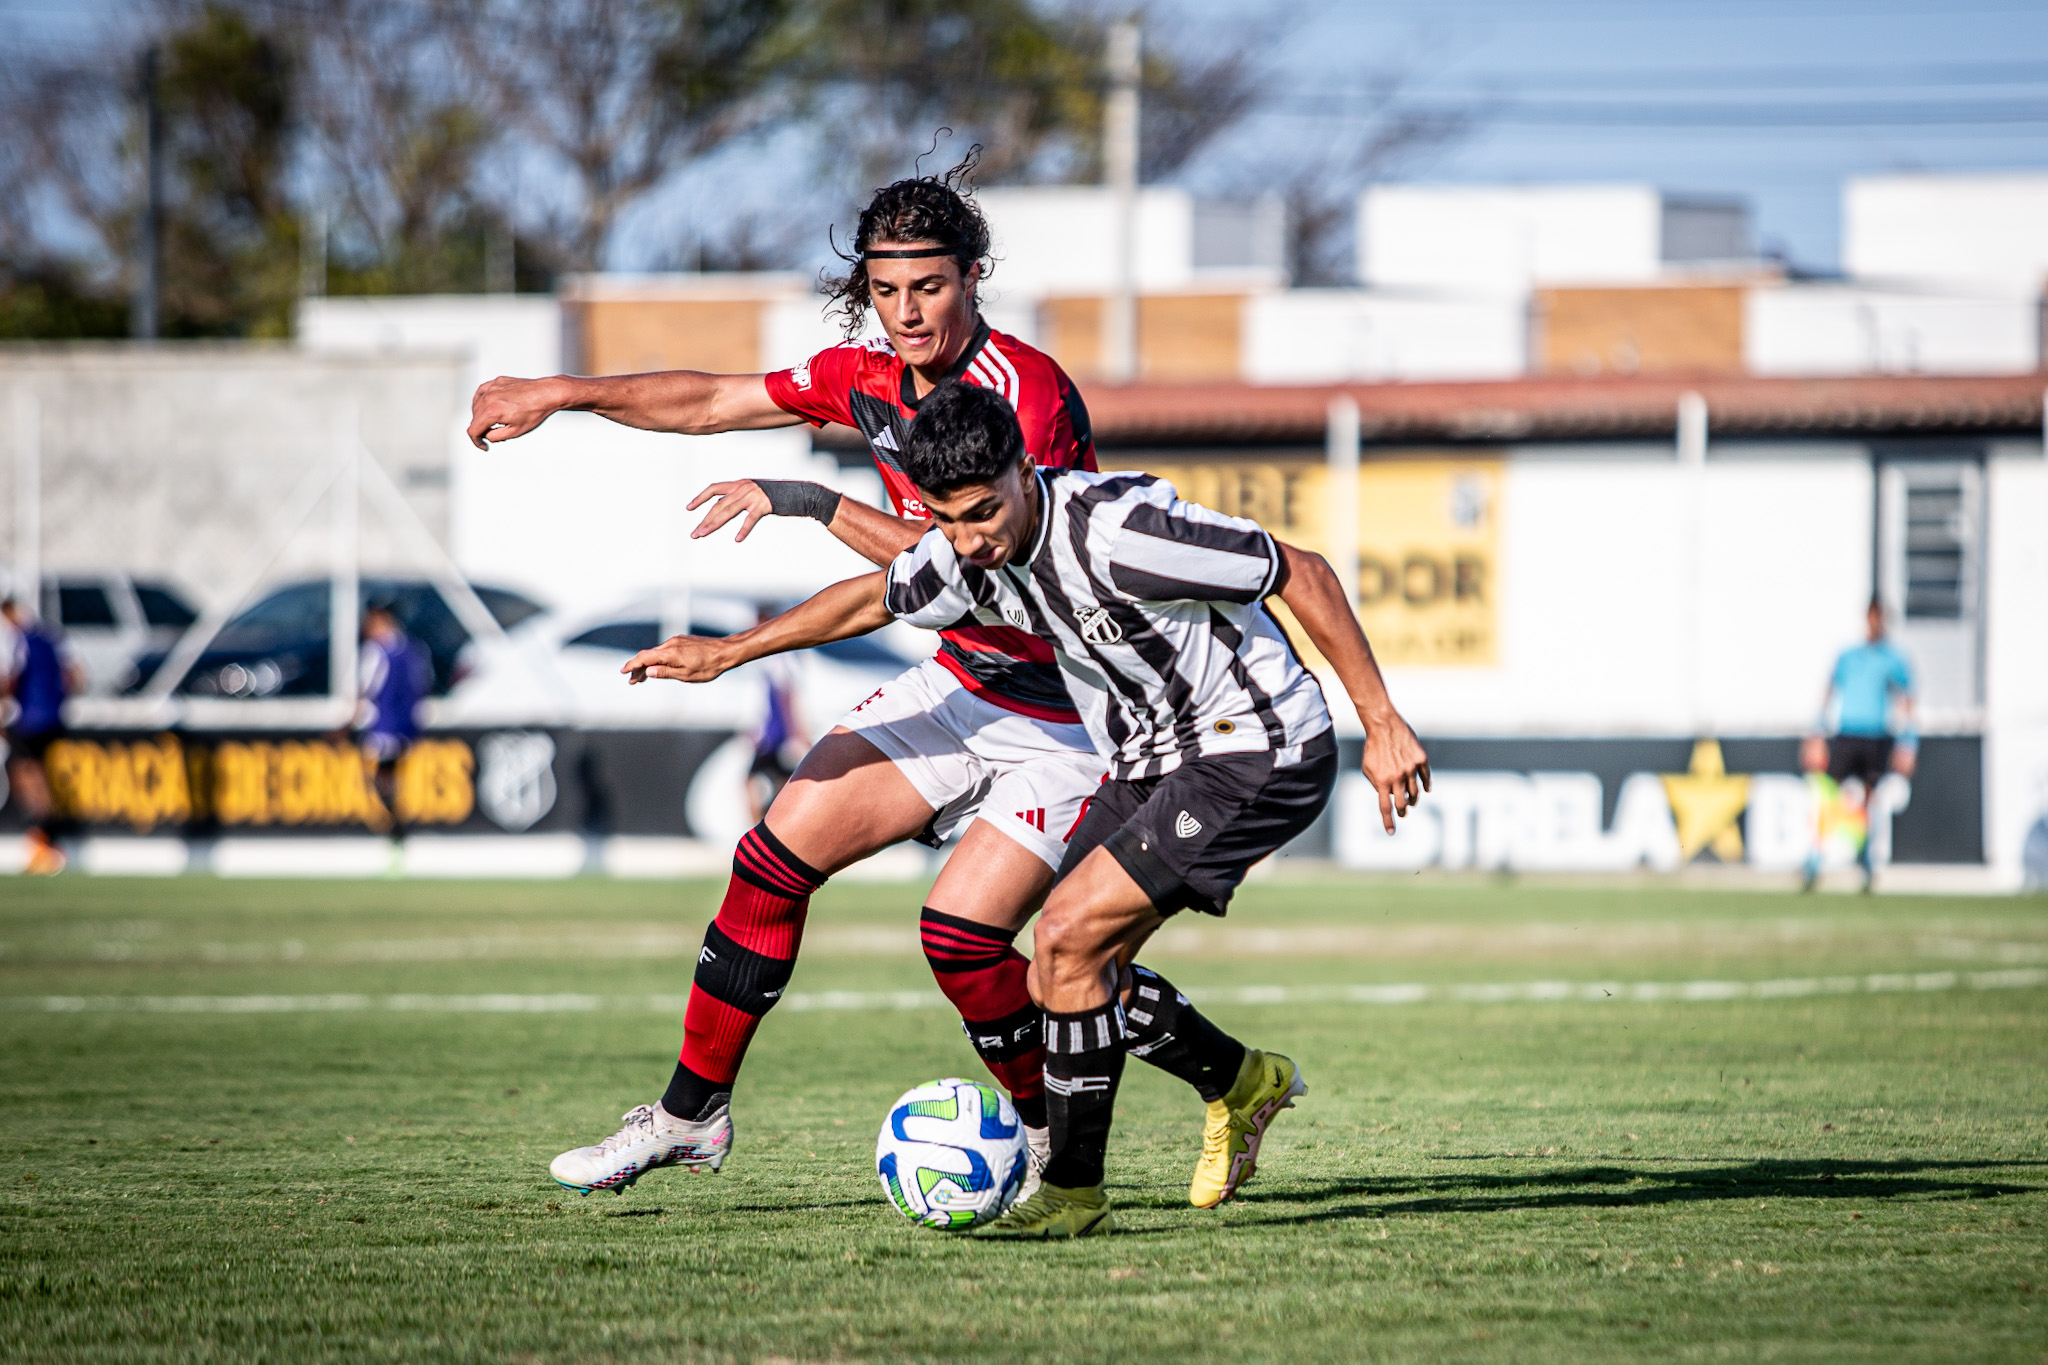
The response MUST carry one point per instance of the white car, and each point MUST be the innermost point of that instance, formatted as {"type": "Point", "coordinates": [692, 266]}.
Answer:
{"type": "Point", "coordinates": [557, 669]}
{"type": "Point", "coordinates": [109, 620]}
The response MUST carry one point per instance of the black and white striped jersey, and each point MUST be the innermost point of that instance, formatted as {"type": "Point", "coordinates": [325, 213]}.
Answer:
{"type": "Point", "coordinates": [1155, 611]}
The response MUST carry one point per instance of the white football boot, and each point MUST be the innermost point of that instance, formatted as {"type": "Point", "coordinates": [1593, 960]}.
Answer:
{"type": "Point", "coordinates": [1039, 1140]}
{"type": "Point", "coordinates": [652, 1137]}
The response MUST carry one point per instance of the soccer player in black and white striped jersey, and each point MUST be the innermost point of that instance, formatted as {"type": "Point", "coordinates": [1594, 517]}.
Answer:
{"type": "Point", "coordinates": [1219, 744]}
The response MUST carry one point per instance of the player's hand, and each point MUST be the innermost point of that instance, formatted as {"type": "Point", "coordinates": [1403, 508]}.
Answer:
{"type": "Point", "coordinates": [504, 408]}
{"type": "Point", "coordinates": [1904, 760]}
{"type": "Point", "coordinates": [737, 497]}
{"type": "Point", "coordinates": [1396, 766]}
{"type": "Point", "coordinates": [1813, 754]}
{"type": "Point", "coordinates": [685, 658]}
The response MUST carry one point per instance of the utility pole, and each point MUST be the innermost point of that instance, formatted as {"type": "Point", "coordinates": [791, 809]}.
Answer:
{"type": "Point", "coordinates": [1341, 449]}
{"type": "Point", "coordinates": [1120, 169]}
{"type": "Point", "coordinates": [313, 253]}
{"type": "Point", "coordinates": [499, 263]}
{"type": "Point", "coordinates": [144, 318]}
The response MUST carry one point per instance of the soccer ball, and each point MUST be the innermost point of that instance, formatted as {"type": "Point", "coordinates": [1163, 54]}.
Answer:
{"type": "Point", "coordinates": [952, 1154]}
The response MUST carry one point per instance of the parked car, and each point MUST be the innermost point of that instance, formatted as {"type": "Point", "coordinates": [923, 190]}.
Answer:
{"type": "Point", "coordinates": [567, 668]}
{"type": "Point", "coordinates": [279, 646]}
{"type": "Point", "coordinates": [109, 619]}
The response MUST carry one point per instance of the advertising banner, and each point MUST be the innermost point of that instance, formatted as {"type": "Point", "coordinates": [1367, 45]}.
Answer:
{"type": "Point", "coordinates": [1615, 805]}
{"type": "Point", "coordinates": [1428, 543]}
{"type": "Point", "coordinates": [502, 781]}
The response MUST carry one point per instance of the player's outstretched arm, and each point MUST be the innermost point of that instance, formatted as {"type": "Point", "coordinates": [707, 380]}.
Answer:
{"type": "Point", "coordinates": [840, 612]}
{"type": "Point", "coordinates": [1394, 759]}
{"type": "Point", "coordinates": [872, 534]}
{"type": "Point", "coordinates": [686, 402]}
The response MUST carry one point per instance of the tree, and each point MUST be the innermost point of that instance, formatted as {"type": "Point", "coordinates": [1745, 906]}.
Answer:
{"type": "Point", "coordinates": [1027, 82]}
{"type": "Point", "coordinates": [399, 135]}
{"type": "Point", "coordinates": [224, 88]}
{"type": "Point", "coordinates": [230, 235]}
{"type": "Point", "coordinates": [619, 94]}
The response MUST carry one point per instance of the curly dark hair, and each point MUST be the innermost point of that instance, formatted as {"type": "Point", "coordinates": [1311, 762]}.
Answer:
{"type": "Point", "coordinates": [924, 208]}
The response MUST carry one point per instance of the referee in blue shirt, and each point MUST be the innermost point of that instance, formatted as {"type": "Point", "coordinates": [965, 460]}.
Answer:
{"type": "Point", "coordinates": [1868, 680]}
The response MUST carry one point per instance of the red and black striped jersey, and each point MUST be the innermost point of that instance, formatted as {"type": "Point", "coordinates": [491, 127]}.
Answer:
{"type": "Point", "coordinates": [866, 385]}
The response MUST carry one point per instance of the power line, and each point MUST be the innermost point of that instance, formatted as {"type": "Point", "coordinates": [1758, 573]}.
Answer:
{"type": "Point", "coordinates": [1845, 114]}
{"type": "Point", "coordinates": [1928, 75]}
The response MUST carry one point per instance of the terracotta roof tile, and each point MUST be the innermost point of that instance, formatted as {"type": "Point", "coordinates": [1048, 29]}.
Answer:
{"type": "Point", "coordinates": [1566, 409]}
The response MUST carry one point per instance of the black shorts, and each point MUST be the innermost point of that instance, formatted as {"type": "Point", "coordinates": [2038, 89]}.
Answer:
{"type": "Point", "coordinates": [31, 746]}
{"type": "Point", "coordinates": [1189, 837]}
{"type": "Point", "coordinates": [1864, 757]}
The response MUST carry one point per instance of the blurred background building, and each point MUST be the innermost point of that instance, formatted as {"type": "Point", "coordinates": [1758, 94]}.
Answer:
{"type": "Point", "coordinates": [1612, 478]}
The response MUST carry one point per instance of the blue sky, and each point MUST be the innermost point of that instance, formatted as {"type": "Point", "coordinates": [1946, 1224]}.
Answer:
{"type": "Point", "coordinates": [1832, 88]}
{"type": "Point", "coordinates": [1838, 87]}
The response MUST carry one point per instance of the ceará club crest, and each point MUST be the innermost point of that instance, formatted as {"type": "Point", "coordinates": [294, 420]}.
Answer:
{"type": "Point", "coordinates": [1098, 627]}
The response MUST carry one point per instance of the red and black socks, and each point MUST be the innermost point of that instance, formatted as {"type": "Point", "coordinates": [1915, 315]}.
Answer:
{"type": "Point", "coordinates": [749, 951]}
{"type": "Point", "coordinates": [1174, 1036]}
{"type": "Point", "coordinates": [983, 975]}
{"type": "Point", "coordinates": [1084, 1064]}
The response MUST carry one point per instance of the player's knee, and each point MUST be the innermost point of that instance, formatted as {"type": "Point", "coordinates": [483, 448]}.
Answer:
{"type": "Point", "coordinates": [1061, 941]}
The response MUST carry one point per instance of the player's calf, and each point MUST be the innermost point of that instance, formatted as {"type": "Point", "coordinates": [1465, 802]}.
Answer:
{"type": "Point", "coordinates": [983, 975]}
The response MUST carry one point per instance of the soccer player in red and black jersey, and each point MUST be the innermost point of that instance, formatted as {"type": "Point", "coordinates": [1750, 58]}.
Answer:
{"type": "Point", "coordinates": [982, 741]}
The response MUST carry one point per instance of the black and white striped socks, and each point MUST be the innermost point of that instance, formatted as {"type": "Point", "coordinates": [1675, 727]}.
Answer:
{"type": "Point", "coordinates": [1084, 1064]}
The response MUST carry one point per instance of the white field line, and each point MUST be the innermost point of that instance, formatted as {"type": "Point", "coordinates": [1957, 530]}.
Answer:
{"type": "Point", "coordinates": [1514, 992]}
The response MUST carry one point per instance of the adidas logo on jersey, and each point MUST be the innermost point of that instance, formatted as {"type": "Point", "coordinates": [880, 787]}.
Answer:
{"type": "Point", "coordinates": [885, 439]}
{"type": "Point", "coordinates": [1098, 627]}
{"type": "Point", "coordinates": [1186, 826]}
{"type": "Point", "coordinates": [705, 954]}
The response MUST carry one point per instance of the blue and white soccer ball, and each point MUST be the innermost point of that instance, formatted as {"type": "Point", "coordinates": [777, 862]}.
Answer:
{"type": "Point", "coordinates": [952, 1154]}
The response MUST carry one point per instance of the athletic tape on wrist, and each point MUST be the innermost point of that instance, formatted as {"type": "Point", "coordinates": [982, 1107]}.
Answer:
{"type": "Point", "coordinates": [797, 498]}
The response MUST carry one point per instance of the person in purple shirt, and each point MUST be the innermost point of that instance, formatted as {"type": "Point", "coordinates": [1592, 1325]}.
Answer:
{"type": "Point", "coordinates": [394, 673]}
{"type": "Point", "coordinates": [37, 680]}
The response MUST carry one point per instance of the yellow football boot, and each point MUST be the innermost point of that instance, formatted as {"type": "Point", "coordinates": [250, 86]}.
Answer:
{"type": "Point", "coordinates": [1052, 1211]}
{"type": "Point", "coordinates": [1266, 1083]}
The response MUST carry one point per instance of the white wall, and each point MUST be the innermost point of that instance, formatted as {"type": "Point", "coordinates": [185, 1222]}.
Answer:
{"type": "Point", "coordinates": [515, 334]}
{"type": "Point", "coordinates": [1059, 240]}
{"type": "Point", "coordinates": [1473, 238]}
{"type": "Point", "coordinates": [1321, 336]}
{"type": "Point", "coordinates": [1642, 598]}
{"type": "Point", "coordinates": [2016, 652]}
{"type": "Point", "coordinates": [1807, 329]}
{"type": "Point", "coordinates": [178, 460]}
{"type": "Point", "coordinates": [586, 512]}
{"type": "Point", "coordinates": [1973, 230]}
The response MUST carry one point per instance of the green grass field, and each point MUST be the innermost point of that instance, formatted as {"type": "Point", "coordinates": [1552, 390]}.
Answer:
{"type": "Point", "coordinates": [1828, 1172]}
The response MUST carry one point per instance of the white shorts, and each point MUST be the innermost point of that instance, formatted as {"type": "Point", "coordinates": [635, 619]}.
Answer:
{"type": "Point", "coordinates": [969, 757]}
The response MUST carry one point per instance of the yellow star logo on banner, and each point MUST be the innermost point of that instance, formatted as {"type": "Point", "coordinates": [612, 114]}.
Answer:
{"type": "Point", "coordinates": [1707, 804]}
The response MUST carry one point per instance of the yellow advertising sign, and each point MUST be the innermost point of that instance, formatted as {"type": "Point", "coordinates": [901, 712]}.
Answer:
{"type": "Point", "coordinates": [1284, 496]}
{"type": "Point", "coordinates": [1428, 544]}
{"type": "Point", "coordinates": [1428, 548]}
{"type": "Point", "coordinates": [159, 781]}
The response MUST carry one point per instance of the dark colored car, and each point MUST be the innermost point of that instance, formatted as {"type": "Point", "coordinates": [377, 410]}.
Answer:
{"type": "Point", "coordinates": [279, 646]}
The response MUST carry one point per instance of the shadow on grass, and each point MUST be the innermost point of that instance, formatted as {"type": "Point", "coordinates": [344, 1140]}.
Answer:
{"type": "Point", "coordinates": [1647, 1183]}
